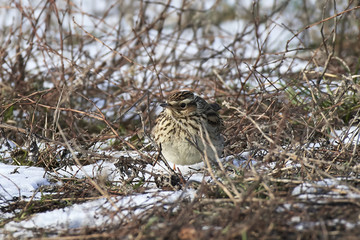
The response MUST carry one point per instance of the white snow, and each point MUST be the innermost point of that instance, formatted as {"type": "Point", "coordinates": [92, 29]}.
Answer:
{"type": "Point", "coordinates": [96, 213]}
{"type": "Point", "coordinates": [20, 182]}
{"type": "Point", "coordinates": [325, 190]}
{"type": "Point", "coordinates": [346, 135]}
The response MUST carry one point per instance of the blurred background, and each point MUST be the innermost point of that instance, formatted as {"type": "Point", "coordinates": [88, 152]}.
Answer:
{"type": "Point", "coordinates": [86, 66]}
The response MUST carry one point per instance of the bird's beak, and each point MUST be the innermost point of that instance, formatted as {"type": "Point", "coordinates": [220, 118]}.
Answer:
{"type": "Point", "coordinates": [164, 105]}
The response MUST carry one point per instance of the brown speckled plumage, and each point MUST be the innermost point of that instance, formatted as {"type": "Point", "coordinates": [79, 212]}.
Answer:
{"type": "Point", "coordinates": [185, 126]}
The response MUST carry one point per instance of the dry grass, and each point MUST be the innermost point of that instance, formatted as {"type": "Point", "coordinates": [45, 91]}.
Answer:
{"type": "Point", "coordinates": [286, 77]}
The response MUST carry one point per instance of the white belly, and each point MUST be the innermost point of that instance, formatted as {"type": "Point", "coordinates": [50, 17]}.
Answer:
{"type": "Point", "coordinates": [185, 153]}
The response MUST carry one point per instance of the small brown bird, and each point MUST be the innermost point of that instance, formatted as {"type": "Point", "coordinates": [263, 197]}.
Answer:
{"type": "Point", "coordinates": [188, 129]}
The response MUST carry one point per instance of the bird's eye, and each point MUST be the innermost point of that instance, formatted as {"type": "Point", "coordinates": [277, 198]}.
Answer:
{"type": "Point", "coordinates": [182, 105]}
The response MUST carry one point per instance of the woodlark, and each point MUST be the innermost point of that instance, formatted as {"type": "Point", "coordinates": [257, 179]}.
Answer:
{"type": "Point", "coordinates": [188, 129]}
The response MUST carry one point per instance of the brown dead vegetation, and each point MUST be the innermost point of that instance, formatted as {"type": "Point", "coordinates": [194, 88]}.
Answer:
{"type": "Point", "coordinates": [72, 78]}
